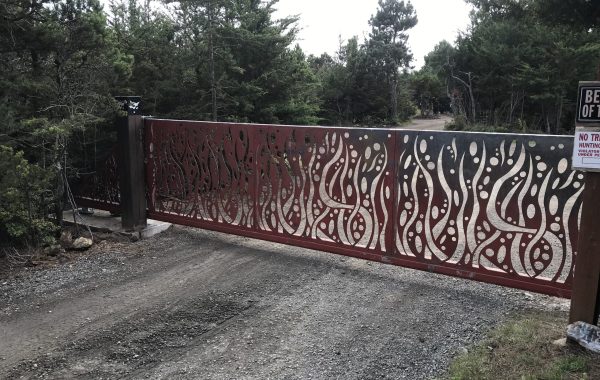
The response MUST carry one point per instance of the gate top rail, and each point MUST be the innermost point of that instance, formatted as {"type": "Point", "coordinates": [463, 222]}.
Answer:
{"type": "Point", "coordinates": [366, 129]}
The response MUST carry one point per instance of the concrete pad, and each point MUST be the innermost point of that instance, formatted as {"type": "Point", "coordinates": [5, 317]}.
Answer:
{"type": "Point", "coordinates": [103, 221]}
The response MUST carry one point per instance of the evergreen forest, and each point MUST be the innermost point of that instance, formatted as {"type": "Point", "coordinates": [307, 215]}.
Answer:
{"type": "Point", "coordinates": [514, 69]}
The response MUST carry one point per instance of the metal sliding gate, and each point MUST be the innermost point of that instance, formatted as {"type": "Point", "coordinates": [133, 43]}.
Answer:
{"type": "Point", "coordinates": [498, 208]}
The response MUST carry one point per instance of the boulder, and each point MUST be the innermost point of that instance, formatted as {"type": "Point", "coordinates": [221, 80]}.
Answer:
{"type": "Point", "coordinates": [82, 243]}
{"type": "Point", "coordinates": [585, 334]}
{"type": "Point", "coordinates": [66, 239]}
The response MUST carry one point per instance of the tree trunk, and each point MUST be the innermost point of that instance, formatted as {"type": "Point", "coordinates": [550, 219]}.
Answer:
{"type": "Point", "coordinates": [211, 60]}
{"type": "Point", "coordinates": [60, 185]}
{"type": "Point", "coordinates": [453, 106]}
{"type": "Point", "coordinates": [468, 86]}
{"type": "Point", "coordinates": [522, 105]}
{"type": "Point", "coordinates": [558, 114]}
{"type": "Point", "coordinates": [394, 100]}
{"type": "Point", "coordinates": [473, 110]}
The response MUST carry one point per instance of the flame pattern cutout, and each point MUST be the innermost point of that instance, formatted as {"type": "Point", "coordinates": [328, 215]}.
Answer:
{"type": "Point", "coordinates": [330, 185]}
{"type": "Point", "coordinates": [201, 173]}
{"type": "Point", "coordinates": [502, 204]}
{"type": "Point", "coordinates": [326, 184]}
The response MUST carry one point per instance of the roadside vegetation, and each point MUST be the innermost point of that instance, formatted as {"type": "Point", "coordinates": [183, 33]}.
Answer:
{"type": "Point", "coordinates": [523, 348]}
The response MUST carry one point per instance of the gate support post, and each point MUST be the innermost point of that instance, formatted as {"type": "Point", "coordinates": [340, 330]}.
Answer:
{"type": "Point", "coordinates": [585, 298]}
{"type": "Point", "coordinates": [130, 135]}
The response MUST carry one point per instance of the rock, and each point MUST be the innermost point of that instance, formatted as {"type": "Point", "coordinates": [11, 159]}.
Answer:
{"type": "Point", "coordinates": [586, 335]}
{"type": "Point", "coordinates": [66, 239]}
{"type": "Point", "coordinates": [528, 295]}
{"type": "Point", "coordinates": [82, 243]}
{"type": "Point", "coordinates": [562, 342]}
{"type": "Point", "coordinates": [129, 236]}
{"type": "Point", "coordinates": [53, 250]}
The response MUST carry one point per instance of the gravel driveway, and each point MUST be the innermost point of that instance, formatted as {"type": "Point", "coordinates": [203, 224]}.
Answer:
{"type": "Point", "coordinates": [193, 304]}
{"type": "Point", "coordinates": [436, 124]}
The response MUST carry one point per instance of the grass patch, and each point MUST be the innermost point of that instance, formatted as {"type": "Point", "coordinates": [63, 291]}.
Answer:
{"type": "Point", "coordinates": [522, 349]}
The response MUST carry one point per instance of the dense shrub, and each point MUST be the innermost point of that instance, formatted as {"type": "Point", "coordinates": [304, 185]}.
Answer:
{"type": "Point", "coordinates": [461, 124]}
{"type": "Point", "coordinates": [23, 190]}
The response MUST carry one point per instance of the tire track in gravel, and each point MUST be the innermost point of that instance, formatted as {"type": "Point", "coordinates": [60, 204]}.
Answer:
{"type": "Point", "coordinates": [181, 281]}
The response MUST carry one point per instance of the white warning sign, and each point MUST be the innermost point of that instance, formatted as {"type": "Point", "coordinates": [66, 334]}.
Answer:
{"type": "Point", "coordinates": [586, 149]}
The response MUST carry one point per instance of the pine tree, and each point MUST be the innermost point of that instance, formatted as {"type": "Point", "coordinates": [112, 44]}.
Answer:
{"type": "Point", "coordinates": [388, 46]}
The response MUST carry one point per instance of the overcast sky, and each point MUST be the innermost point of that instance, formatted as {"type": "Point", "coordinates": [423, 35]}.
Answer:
{"type": "Point", "coordinates": [323, 21]}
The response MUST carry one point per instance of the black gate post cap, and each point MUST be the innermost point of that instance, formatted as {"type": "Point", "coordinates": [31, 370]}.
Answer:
{"type": "Point", "coordinates": [130, 104]}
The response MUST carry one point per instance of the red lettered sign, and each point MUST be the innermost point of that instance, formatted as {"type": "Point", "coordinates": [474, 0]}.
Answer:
{"type": "Point", "coordinates": [586, 149]}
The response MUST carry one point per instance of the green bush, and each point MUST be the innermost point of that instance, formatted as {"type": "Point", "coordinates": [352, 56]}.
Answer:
{"type": "Point", "coordinates": [461, 124]}
{"type": "Point", "coordinates": [23, 185]}
{"type": "Point", "coordinates": [458, 123]}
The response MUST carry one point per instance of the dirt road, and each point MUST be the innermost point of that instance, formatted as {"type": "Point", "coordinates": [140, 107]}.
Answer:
{"type": "Point", "coordinates": [192, 304]}
{"type": "Point", "coordinates": [428, 124]}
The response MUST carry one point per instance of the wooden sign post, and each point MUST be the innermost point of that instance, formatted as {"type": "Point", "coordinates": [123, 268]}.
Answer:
{"type": "Point", "coordinates": [585, 299]}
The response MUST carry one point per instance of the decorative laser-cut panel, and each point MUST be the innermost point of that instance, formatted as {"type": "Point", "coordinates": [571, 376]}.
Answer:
{"type": "Point", "coordinates": [100, 189]}
{"type": "Point", "coordinates": [504, 205]}
{"type": "Point", "coordinates": [201, 171]}
{"type": "Point", "coordinates": [330, 185]}
{"type": "Point", "coordinates": [493, 207]}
